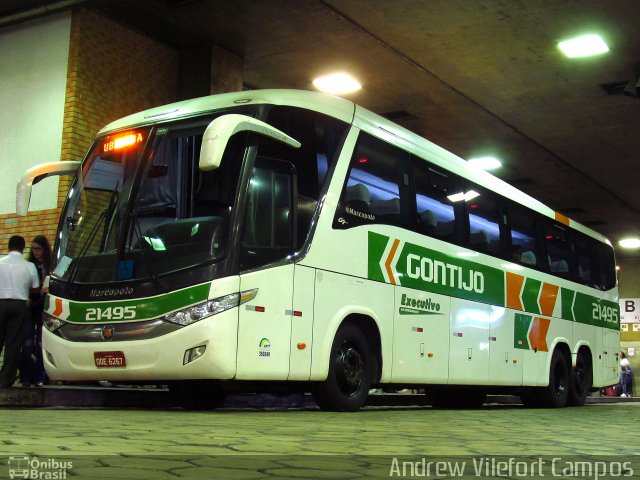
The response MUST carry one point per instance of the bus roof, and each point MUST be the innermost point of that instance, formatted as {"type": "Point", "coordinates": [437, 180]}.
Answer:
{"type": "Point", "coordinates": [348, 112]}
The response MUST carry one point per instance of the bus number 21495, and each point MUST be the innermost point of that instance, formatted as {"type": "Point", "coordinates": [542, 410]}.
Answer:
{"type": "Point", "coordinates": [110, 313]}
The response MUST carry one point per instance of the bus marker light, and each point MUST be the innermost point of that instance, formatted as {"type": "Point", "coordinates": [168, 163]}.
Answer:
{"type": "Point", "coordinates": [301, 346]}
{"type": "Point", "coordinates": [430, 355]}
{"type": "Point", "coordinates": [297, 313]}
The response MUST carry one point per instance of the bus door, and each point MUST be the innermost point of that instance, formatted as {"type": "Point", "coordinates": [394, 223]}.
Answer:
{"type": "Point", "coordinates": [264, 328]}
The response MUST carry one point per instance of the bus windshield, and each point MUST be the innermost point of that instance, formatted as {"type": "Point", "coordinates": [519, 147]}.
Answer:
{"type": "Point", "coordinates": [134, 216]}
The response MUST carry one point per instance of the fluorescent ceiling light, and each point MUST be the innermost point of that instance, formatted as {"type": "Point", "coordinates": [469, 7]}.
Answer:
{"type": "Point", "coordinates": [583, 46]}
{"type": "Point", "coordinates": [337, 83]}
{"type": "Point", "coordinates": [630, 243]}
{"type": "Point", "coordinates": [466, 196]}
{"type": "Point", "coordinates": [485, 163]}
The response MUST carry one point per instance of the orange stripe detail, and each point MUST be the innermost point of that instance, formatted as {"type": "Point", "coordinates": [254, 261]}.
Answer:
{"type": "Point", "coordinates": [58, 311]}
{"type": "Point", "coordinates": [538, 334]}
{"type": "Point", "coordinates": [548, 297]}
{"type": "Point", "coordinates": [562, 219]}
{"type": "Point", "coordinates": [514, 287]}
{"type": "Point", "coordinates": [387, 264]}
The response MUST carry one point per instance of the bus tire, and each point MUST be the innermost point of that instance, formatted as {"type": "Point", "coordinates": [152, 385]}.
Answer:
{"type": "Point", "coordinates": [581, 380]}
{"type": "Point", "coordinates": [347, 384]}
{"type": "Point", "coordinates": [556, 394]}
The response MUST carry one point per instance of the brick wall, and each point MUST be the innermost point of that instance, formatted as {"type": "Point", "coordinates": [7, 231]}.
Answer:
{"type": "Point", "coordinates": [113, 71]}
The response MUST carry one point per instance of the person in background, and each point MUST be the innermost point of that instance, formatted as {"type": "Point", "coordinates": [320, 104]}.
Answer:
{"type": "Point", "coordinates": [626, 377]}
{"type": "Point", "coordinates": [18, 279]}
{"type": "Point", "coordinates": [32, 365]}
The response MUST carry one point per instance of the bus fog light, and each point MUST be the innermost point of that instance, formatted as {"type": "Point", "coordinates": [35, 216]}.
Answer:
{"type": "Point", "coordinates": [193, 353]}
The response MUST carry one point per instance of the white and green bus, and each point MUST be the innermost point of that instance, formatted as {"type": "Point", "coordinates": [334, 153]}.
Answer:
{"type": "Point", "coordinates": [292, 239]}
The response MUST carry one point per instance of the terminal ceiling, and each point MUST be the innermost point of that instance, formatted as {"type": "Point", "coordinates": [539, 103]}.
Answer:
{"type": "Point", "coordinates": [475, 76]}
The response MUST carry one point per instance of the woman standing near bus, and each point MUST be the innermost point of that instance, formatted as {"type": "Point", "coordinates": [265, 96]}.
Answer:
{"type": "Point", "coordinates": [32, 370]}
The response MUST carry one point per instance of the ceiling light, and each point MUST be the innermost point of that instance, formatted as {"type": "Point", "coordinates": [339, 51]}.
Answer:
{"type": "Point", "coordinates": [485, 163]}
{"type": "Point", "coordinates": [463, 196]}
{"type": "Point", "coordinates": [630, 243]}
{"type": "Point", "coordinates": [583, 46]}
{"type": "Point", "coordinates": [337, 83]}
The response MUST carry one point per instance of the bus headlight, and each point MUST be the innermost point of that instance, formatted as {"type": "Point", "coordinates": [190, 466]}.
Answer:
{"type": "Point", "coordinates": [193, 314]}
{"type": "Point", "coordinates": [51, 323]}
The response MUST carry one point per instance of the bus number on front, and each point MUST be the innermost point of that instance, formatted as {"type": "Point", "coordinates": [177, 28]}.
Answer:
{"type": "Point", "coordinates": [110, 313]}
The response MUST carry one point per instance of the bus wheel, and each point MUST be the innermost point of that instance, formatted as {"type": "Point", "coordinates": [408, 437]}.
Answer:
{"type": "Point", "coordinates": [555, 395]}
{"type": "Point", "coordinates": [581, 380]}
{"type": "Point", "coordinates": [347, 385]}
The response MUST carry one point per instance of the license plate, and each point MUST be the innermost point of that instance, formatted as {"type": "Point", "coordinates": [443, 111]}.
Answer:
{"type": "Point", "coordinates": [109, 359]}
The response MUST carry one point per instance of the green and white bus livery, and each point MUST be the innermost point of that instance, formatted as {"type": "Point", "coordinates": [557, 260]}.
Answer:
{"type": "Point", "coordinates": [291, 238]}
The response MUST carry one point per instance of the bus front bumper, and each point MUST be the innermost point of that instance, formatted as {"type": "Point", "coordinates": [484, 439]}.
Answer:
{"type": "Point", "coordinates": [167, 357]}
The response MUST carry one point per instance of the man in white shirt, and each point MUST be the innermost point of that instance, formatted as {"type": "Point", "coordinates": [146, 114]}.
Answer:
{"type": "Point", "coordinates": [18, 278]}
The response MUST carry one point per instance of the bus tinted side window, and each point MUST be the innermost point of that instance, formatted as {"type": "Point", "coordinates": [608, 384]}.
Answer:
{"type": "Point", "coordinates": [606, 266]}
{"type": "Point", "coordinates": [585, 257]}
{"type": "Point", "coordinates": [435, 211]}
{"type": "Point", "coordinates": [522, 231]}
{"type": "Point", "coordinates": [321, 137]}
{"type": "Point", "coordinates": [377, 187]}
{"type": "Point", "coordinates": [558, 250]}
{"type": "Point", "coordinates": [484, 220]}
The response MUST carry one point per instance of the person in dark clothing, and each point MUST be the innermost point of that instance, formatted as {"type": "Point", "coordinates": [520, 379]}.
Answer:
{"type": "Point", "coordinates": [32, 370]}
{"type": "Point", "coordinates": [18, 279]}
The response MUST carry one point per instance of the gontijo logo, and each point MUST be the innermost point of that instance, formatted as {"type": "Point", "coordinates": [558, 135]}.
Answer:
{"type": "Point", "coordinates": [402, 263]}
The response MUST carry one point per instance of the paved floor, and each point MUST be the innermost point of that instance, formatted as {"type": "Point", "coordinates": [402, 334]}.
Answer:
{"type": "Point", "coordinates": [308, 443]}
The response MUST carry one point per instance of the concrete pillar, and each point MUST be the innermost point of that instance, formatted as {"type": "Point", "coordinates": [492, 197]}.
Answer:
{"type": "Point", "coordinates": [226, 72]}
{"type": "Point", "coordinates": [207, 70]}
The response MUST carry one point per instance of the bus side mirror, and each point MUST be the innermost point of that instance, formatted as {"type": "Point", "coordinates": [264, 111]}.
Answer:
{"type": "Point", "coordinates": [34, 175]}
{"type": "Point", "coordinates": [219, 131]}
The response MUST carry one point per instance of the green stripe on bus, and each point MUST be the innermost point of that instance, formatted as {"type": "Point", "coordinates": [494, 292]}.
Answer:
{"type": "Point", "coordinates": [566, 297]}
{"type": "Point", "coordinates": [530, 294]}
{"type": "Point", "coordinates": [521, 324]}
{"type": "Point", "coordinates": [377, 245]}
{"type": "Point", "coordinates": [145, 308]}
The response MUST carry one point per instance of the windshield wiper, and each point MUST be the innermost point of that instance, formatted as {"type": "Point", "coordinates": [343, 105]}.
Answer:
{"type": "Point", "coordinates": [87, 243]}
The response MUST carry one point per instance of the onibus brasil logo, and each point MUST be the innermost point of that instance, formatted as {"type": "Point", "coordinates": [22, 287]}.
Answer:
{"type": "Point", "coordinates": [36, 468]}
